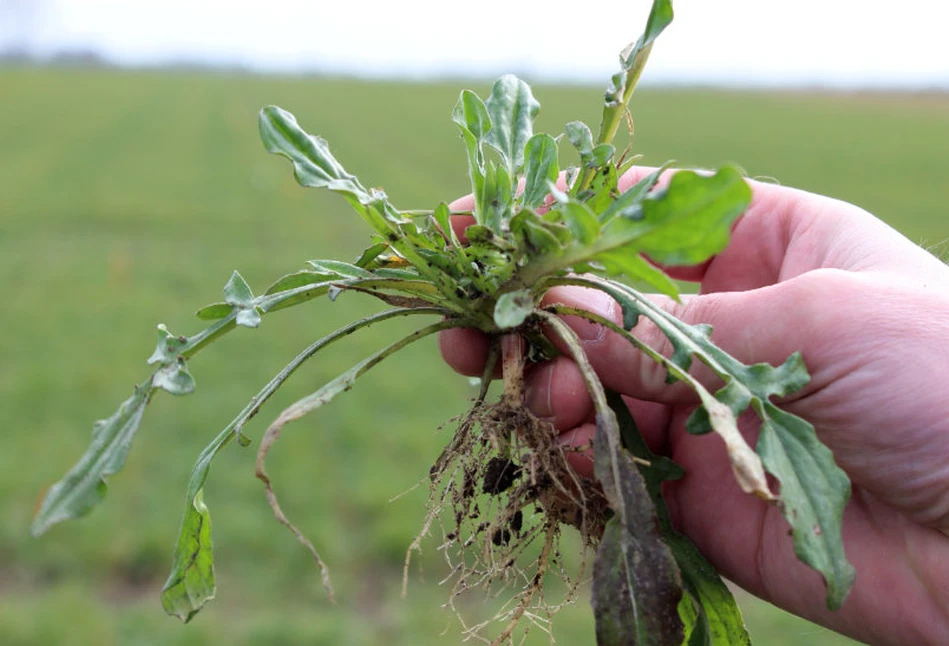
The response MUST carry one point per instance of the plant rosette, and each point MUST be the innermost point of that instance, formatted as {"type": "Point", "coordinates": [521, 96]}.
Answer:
{"type": "Point", "coordinates": [502, 491]}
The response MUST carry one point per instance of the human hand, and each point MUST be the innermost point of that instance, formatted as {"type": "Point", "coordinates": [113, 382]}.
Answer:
{"type": "Point", "coordinates": [869, 310]}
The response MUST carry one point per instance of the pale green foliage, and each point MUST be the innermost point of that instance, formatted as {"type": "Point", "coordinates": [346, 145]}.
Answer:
{"type": "Point", "coordinates": [651, 586]}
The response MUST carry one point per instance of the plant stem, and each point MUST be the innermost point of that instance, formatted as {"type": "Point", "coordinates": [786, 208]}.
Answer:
{"type": "Point", "coordinates": [512, 365]}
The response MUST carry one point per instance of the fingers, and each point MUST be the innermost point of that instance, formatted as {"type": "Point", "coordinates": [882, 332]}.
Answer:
{"type": "Point", "coordinates": [461, 222]}
{"type": "Point", "coordinates": [465, 350]}
{"type": "Point", "coordinates": [761, 325]}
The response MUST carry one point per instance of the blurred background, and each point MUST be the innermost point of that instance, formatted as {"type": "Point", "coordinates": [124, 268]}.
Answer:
{"type": "Point", "coordinates": [132, 182]}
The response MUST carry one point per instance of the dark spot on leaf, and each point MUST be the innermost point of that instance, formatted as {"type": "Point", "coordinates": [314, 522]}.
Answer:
{"type": "Point", "coordinates": [501, 537]}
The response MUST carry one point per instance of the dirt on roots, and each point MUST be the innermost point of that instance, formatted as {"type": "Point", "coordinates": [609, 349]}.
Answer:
{"type": "Point", "coordinates": [500, 492]}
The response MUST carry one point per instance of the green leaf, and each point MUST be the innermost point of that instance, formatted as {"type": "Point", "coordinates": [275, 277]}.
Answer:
{"type": "Point", "coordinates": [636, 268]}
{"type": "Point", "coordinates": [601, 155]}
{"type": "Point", "coordinates": [369, 255]}
{"type": "Point", "coordinates": [687, 223]}
{"type": "Point", "coordinates": [813, 489]}
{"type": "Point", "coordinates": [580, 221]}
{"type": "Point", "coordinates": [603, 191]}
{"type": "Point", "coordinates": [184, 596]}
{"type": "Point", "coordinates": [512, 108]}
{"type": "Point", "coordinates": [719, 618]}
{"type": "Point", "coordinates": [579, 135]}
{"type": "Point", "coordinates": [541, 168]}
{"type": "Point", "coordinates": [214, 311]}
{"type": "Point", "coordinates": [238, 294]}
{"type": "Point", "coordinates": [315, 166]}
{"type": "Point", "coordinates": [248, 318]}
{"type": "Point", "coordinates": [513, 308]}
{"type": "Point", "coordinates": [498, 197]}
{"type": "Point", "coordinates": [168, 348]}
{"type": "Point", "coordinates": [303, 278]}
{"type": "Point", "coordinates": [633, 60]}
{"type": "Point", "coordinates": [472, 115]}
{"type": "Point", "coordinates": [442, 217]}
{"type": "Point", "coordinates": [339, 268]}
{"type": "Point", "coordinates": [84, 485]}
{"type": "Point", "coordinates": [190, 584]}
{"type": "Point", "coordinates": [237, 291]}
{"type": "Point", "coordinates": [472, 118]}
{"type": "Point", "coordinates": [629, 203]}
{"type": "Point", "coordinates": [174, 378]}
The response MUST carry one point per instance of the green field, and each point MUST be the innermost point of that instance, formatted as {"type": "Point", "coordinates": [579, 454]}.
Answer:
{"type": "Point", "coordinates": [127, 198]}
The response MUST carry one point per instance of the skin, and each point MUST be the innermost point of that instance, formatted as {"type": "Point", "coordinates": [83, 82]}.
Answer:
{"type": "Point", "coordinates": [869, 310]}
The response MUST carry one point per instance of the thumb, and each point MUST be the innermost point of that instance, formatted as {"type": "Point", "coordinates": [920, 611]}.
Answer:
{"type": "Point", "coordinates": [760, 325]}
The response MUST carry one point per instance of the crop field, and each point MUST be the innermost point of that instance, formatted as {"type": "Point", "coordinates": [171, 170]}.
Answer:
{"type": "Point", "coordinates": [126, 200]}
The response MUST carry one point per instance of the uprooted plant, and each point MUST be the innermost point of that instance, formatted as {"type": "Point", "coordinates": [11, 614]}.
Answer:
{"type": "Point", "coordinates": [502, 490]}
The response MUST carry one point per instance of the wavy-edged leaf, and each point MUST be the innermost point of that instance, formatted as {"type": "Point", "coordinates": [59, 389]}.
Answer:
{"type": "Point", "coordinates": [512, 108]}
{"type": "Point", "coordinates": [315, 166]}
{"type": "Point", "coordinates": [813, 489]}
{"type": "Point", "coordinates": [84, 485]}
{"type": "Point", "coordinates": [687, 223]}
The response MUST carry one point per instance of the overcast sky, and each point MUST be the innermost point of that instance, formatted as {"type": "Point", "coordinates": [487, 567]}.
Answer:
{"type": "Point", "coordinates": [747, 42]}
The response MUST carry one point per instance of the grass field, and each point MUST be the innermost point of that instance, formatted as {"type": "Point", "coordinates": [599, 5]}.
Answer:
{"type": "Point", "coordinates": [127, 198]}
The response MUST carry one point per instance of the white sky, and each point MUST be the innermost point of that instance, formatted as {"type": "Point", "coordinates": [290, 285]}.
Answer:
{"type": "Point", "coordinates": [816, 42]}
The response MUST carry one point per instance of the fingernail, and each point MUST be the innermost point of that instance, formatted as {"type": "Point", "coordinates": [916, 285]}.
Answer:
{"type": "Point", "coordinates": [537, 392]}
{"type": "Point", "coordinates": [602, 305]}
